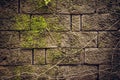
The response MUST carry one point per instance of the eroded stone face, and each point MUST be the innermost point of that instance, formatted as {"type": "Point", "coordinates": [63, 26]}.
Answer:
{"type": "Point", "coordinates": [39, 56]}
{"type": "Point", "coordinates": [76, 22]}
{"type": "Point", "coordinates": [15, 57]}
{"type": "Point", "coordinates": [65, 56]}
{"type": "Point", "coordinates": [109, 39]}
{"type": "Point", "coordinates": [75, 6]}
{"type": "Point", "coordinates": [100, 22]}
{"type": "Point", "coordinates": [9, 39]}
{"type": "Point", "coordinates": [105, 6]}
{"type": "Point", "coordinates": [6, 8]}
{"type": "Point", "coordinates": [29, 6]}
{"type": "Point", "coordinates": [98, 56]}
{"type": "Point", "coordinates": [78, 72]}
{"type": "Point", "coordinates": [82, 39]}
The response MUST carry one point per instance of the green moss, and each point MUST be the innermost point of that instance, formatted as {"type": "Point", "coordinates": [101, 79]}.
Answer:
{"type": "Point", "coordinates": [33, 39]}
{"type": "Point", "coordinates": [54, 55]}
{"type": "Point", "coordinates": [38, 23]}
{"type": "Point", "coordinates": [20, 69]}
{"type": "Point", "coordinates": [22, 22]}
{"type": "Point", "coordinates": [40, 60]}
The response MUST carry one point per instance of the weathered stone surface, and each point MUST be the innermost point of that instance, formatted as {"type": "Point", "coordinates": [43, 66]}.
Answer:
{"type": "Point", "coordinates": [39, 56]}
{"type": "Point", "coordinates": [15, 57]}
{"type": "Point", "coordinates": [109, 39]}
{"type": "Point", "coordinates": [65, 56]}
{"type": "Point", "coordinates": [98, 56]}
{"type": "Point", "coordinates": [104, 72]}
{"type": "Point", "coordinates": [82, 6]}
{"type": "Point", "coordinates": [78, 72]}
{"type": "Point", "coordinates": [100, 22]}
{"type": "Point", "coordinates": [63, 6]}
{"type": "Point", "coordinates": [55, 22]}
{"type": "Point", "coordinates": [9, 39]}
{"type": "Point", "coordinates": [76, 23]}
{"type": "Point", "coordinates": [28, 72]}
{"type": "Point", "coordinates": [75, 6]}
{"type": "Point", "coordinates": [6, 8]}
{"type": "Point", "coordinates": [31, 39]}
{"type": "Point", "coordinates": [19, 72]}
{"type": "Point", "coordinates": [18, 22]}
{"type": "Point", "coordinates": [82, 39]}
{"type": "Point", "coordinates": [104, 6]}
{"type": "Point", "coordinates": [29, 6]}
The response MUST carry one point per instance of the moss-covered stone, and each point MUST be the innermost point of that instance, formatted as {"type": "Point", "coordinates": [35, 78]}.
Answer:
{"type": "Point", "coordinates": [65, 56]}
{"type": "Point", "coordinates": [38, 6]}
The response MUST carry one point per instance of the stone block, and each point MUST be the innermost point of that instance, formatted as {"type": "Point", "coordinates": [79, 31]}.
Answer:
{"type": "Point", "coordinates": [65, 56]}
{"type": "Point", "coordinates": [98, 56]}
{"type": "Point", "coordinates": [15, 57]}
{"type": "Point", "coordinates": [18, 22]}
{"type": "Point", "coordinates": [76, 22]}
{"type": "Point", "coordinates": [82, 6]}
{"type": "Point", "coordinates": [39, 56]}
{"type": "Point", "coordinates": [81, 72]}
{"type": "Point", "coordinates": [82, 39]}
{"type": "Point", "coordinates": [105, 6]}
{"type": "Point", "coordinates": [109, 39]}
{"type": "Point", "coordinates": [63, 6]}
{"type": "Point", "coordinates": [9, 39]}
{"type": "Point", "coordinates": [29, 6]}
{"type": "Point", "coordinates": [19, 72]}
{"type": "Point", "coordinates": [75, 6]}
{"type": "Point", "coordinates": [36, 39]}
{"type": "Point", "coordinates": [104, 72]}
{"type": "Point", "coordinates": [53, 22]}
{"type": "Point", "coordinates": [6, 8]}
{"type": "Point", "coordinates": [100, 22]}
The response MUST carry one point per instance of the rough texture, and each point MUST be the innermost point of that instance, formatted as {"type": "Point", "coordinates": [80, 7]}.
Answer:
{"type": "Point", "coordinates": [59, 40]}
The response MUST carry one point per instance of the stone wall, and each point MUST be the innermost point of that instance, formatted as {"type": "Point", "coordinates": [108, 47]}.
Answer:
{"type": "Point", "coordinates": [85, 46]}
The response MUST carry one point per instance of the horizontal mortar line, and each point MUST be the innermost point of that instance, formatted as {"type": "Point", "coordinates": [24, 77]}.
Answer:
{"type": "Point", "coordinates": [15, 30]}
{"type": "Point", "coordinates": [69, 30]}
{"type": "Point", "coordinates": [102, 48]}
{"type": "Point", "coordinates": [78, 64]}
{"type": "Point", "coordinates": [57, 13]}
{"type": "Point", "coordinates": [92, 64]}
{"type": "Point", "coordinates": [12, 65]}
{"type": "Point", "coordinates": [56, 47]}
{"type": "Point", "coordinates": [98, 30]}
{"type": "Point", "coordinates": [10, 48]}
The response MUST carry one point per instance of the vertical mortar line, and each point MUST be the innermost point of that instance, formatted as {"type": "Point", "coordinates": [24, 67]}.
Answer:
{"type": "Point", "coordinates": [18, 6]}
{"type": "Point", "coordinates": [97, 39]}
{"type": "Point", "coordinates": [45, 56]}
{"type": "Point", "coordinates": [32, 56]}
{"type": "Point", "coordinates": [95, 6]}
{"type": "Point", "coordinates": [70, 22]}
{"type": "Point", "coordinates": [80, 22]}
{"type": "Point", "coordinates": [98, 73]}
{"type": "Point", "coordinates": [56, 6]}
{"type": "Point", "coordinates": [19, 35]}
